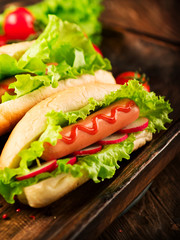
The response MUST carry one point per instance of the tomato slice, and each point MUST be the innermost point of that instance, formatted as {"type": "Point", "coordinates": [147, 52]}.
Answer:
{"type": "Point", "coordinates": [19, 24]}
{"type": "Point", "coordinates": [126, 76]}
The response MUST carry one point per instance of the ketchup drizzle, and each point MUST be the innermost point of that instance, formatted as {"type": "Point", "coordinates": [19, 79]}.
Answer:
{"type": "Point", "coordinates": [94, 129]}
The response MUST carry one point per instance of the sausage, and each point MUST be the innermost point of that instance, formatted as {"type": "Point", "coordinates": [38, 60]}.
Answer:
{"type": "Point", "coordinates": [83, 139]}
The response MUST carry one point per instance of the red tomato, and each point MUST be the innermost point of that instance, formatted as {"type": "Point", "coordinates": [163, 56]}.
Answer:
{"type": "Point", "coordinates": [94, 45]}
{"type": "Point", "coordinates": [3, 40]}
{"type": "Point", "coordinates": [97, 49]}
{"type": "Point", "coordinates": [19, 24]}
{"type": "Point", "coordinates": [126, 76]}
{"type": "Point", "coordinates": [5, 88]}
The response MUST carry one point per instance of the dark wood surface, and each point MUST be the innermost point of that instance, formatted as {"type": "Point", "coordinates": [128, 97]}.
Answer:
{"type": "Point", "coordinates": [86, 212]}
{"type": "Point", "coordinates": [156, 215]}
{"type": "Point", "coordinates": [155, 18]}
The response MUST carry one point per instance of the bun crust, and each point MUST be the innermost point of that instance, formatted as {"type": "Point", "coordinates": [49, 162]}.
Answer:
{"type": "Point", "coordinates": [33, 123]}
{"type": "Point", "coordinates": [16, 50]}
{"type": "Point", "coordinates": [12, 111]}
{"type": "Point", "coordinates": [51, 189]}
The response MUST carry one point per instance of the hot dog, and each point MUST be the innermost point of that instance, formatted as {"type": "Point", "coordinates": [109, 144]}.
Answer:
{"type": "Point", "coordinates": [12, 111]}
{"type": "Point", "coordinates": [40, 132]}
{"type": "Point", "coordinates": [94, 128]}
{"type": "Point", "coordinates": [43, 67]}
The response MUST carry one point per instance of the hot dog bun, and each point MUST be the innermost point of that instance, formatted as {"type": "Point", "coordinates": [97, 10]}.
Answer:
{"type": "Point", "coordinates": [49, 190]}
{"type": "Point", "coordinates": [16, 50]}
{"type": "Point", "coordinates": [34, 122]}
{"type": "Point", "coordinates": [12, 111]}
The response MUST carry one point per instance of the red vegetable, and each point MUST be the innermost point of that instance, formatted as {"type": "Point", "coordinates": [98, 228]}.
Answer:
{"type": "Point", "coordinates": [5, 216]}
{"type": "Point", "coordinates": [19, 24]}
{"type": "Point", "coordinates": [117, 137]}
{"type": "Point", "coordinates": [126, 76]}
{"type": "Point", "coordinates": [97, 49]}
{"type": "Point", "coordinates": [138, 125]}
{"type": "Point", "coordinates": [88, 150]}
{"type": "Point", "coordinates": [72, 161]}
{"type": "Point", "coordinates": [3, 40]}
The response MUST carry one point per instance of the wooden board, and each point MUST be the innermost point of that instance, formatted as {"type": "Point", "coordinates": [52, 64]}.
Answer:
{"type": "Point", "coordinates": [156, 18]}
{"type": "Point", "coordinates": [86, 212]}
{"type": "Point", "coordinates": [156, 214]}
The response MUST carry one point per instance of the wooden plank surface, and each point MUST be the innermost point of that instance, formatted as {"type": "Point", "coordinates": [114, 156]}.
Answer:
{"type": "Point", "coordinates": [81, 215]}
{"type": "Point", "coordinates": [156, 215]}
{"type": "Point", "coordinates": [155, 18]}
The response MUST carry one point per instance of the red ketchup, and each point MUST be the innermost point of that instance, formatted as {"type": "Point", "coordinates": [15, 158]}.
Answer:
{"type": "Point", "coordinates": [94, 129]}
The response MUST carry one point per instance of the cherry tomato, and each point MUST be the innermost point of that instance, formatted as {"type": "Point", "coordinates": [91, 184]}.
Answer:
{"type": "Point", "coordinates": [19, 24]}
{"type": "Point", "coordinates": [3, 40]}
{"type": "Point", "coordinates": [97, 49]}
{"type": "Point", "coordinates": [94, 45]}
{"type": "Point", "coordinates": [126, 76]}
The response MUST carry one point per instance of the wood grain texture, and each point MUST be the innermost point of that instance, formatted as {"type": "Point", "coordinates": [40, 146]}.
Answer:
{"type": "Point", "coordinates": [156, 215]}
{"type": "Point", "coordinates": [159, 19]}
{"type": "Point", "coordinates": [129, 52]}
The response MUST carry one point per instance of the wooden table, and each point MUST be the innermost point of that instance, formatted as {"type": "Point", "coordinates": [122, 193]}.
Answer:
{"type": "Point", "coordinates": [81, 215]}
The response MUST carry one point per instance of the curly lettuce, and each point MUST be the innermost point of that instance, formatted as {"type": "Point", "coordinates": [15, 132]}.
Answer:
{"type": "Point", "coordinates": [64, 46]}
{"type": "Point", "coordinates": [85, 13]}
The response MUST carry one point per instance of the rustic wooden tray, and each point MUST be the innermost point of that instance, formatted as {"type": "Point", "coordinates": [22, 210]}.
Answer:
{"type": "Point", "coordinates": [87, 211]}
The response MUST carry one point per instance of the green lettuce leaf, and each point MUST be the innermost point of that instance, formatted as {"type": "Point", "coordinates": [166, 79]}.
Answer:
{"type": "Point", "coordinates": [8, 66]}
{"type": "Point", "coordinates": [97, 167]}
{"type": "Point", "coordinates": [85, 13]}
{"type": "Point", "coordinates": [155, 108]}
{"type": "Point", "coordinates": [62, 43]}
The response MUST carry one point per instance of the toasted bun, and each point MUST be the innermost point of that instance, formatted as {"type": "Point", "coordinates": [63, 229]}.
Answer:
{"type": "Point", "coordinates": [16, 50]}
{"type": "Point", "coordinates": [12, 111]}
{"type": "Point", "coordinates": [51, 189]}
{"type": "Point", "coordinates": [34, 122]}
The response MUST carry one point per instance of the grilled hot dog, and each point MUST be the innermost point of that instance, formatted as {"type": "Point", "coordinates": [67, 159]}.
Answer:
{"type": "Point", "coordinates": [95, 127]}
